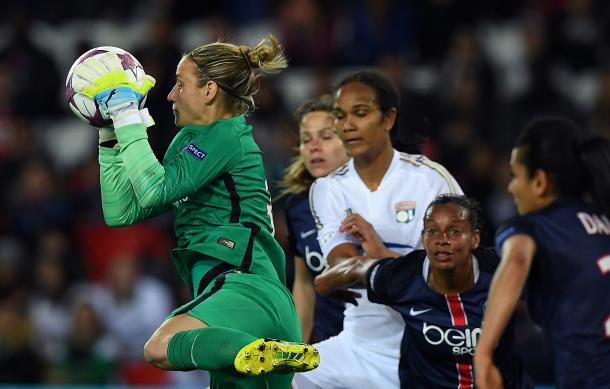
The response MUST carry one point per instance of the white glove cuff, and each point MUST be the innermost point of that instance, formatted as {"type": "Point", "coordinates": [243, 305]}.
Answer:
{"type": "Point", "coordinates": [130, 115]}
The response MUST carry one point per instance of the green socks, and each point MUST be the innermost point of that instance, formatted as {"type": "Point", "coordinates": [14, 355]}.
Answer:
{"type": "Point", "coordinates": [208, 348]}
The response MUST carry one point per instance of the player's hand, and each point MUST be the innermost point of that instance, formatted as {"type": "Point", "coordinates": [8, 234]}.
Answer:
{"type": "Point", "coordinates": [487, 375]}
{"type": "Point", "coordinates": [359, 228]}
{"type": "Point", "coordinates": [107, 83]}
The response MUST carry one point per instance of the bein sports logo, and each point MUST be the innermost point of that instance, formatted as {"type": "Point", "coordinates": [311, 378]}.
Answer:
{"type": "Point", "coordinates": [462, 342]}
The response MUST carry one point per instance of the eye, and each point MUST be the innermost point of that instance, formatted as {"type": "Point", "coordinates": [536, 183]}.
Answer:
{"type": "Point", "coordinates": [361, 113]}
{"type": "Point", "coordinates": [327, 135]}
{"type": "Point", "coordinates": [431, 232]}
{"type": "Point", "coordinates": [455, 232]}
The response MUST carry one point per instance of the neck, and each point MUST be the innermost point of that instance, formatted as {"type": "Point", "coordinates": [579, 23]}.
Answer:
{"type": "Point", "coordinates": [451, 281]}
{"type": "Point", "coordinates": [372, 169]}
{"type": "Point", "coordinates": [545, 201]}
{"type": "Point", "coordinates": [214, 113]}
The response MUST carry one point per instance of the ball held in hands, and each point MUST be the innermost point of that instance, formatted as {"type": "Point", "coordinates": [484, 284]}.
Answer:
{"type": "Point", "coordinates": [99, 71]}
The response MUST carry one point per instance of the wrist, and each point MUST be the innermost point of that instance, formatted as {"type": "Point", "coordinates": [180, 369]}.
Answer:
{"type": "Point", "coordinates": [131, 115]}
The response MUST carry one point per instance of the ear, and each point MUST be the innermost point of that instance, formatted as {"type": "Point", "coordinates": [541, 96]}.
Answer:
{"type": "Point", "coordinates": [476, 239]}
{"type": "Point", "coordinates": [542, 184]}
{"type": "Point", "coordinates": [210, 91]}
{"type": "Point", "coordinates": [389, 119]}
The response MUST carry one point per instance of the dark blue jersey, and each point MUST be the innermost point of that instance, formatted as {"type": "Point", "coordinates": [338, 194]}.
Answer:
{"type": "Point", "coordinates": [303, 240]}
{"type": "Point", "coordinates": [568, 289]}
{"type": "Point", "coordinates": [441, 331]}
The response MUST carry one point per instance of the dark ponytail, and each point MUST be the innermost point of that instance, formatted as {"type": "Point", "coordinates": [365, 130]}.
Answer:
{"type": "Point", "coordinates": [595, 157]}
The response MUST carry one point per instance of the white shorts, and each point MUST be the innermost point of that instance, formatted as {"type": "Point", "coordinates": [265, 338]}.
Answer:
{"type": "Point", "coordinates": [345, 365]}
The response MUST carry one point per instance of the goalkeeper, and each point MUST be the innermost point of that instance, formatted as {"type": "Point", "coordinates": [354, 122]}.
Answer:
{"type": "Point", "coordinates": [212, 177]}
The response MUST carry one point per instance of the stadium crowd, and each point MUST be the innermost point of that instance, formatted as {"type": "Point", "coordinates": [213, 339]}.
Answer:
{"type": "Point", "coordinates": [78, 299]}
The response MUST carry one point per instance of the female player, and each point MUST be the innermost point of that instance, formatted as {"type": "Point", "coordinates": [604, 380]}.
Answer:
{"type": "Point", "coordinates": [372, 206]}
{"type": "Point", "coordinates": [441, 293]}
{"type": "Point", "coordinates": [320, 152]}
{"type": "Point", "coordinates": [557, 251]}
{"type": "Point", "coordinates": [212, 177]}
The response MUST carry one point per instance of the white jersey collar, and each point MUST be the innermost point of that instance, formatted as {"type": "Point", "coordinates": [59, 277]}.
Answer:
{"type": "Point", "coordinates": [393, 166]}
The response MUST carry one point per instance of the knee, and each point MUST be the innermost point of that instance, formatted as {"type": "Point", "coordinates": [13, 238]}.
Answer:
{"type": "Point", "coordinates": [155, 352]}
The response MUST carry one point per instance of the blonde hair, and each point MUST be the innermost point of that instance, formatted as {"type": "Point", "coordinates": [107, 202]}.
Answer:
{"type": "Point", "coordinates": [297, 178]}
{"type": "Point", "coordinates": [235, 68]}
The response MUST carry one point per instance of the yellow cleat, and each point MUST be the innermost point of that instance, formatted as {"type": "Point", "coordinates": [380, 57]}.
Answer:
{"type": "Point", "coordinates": [267, 355]}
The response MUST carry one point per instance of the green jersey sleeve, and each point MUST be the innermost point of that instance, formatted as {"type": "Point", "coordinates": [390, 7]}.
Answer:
{"type": "Point", "coordinates": [201, 158]}
{"type": "Point", "coordinates": [119, 202]}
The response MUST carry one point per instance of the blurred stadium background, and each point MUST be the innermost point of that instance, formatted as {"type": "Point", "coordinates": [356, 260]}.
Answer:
{"type": "Point", "coordinates": [78, 300]}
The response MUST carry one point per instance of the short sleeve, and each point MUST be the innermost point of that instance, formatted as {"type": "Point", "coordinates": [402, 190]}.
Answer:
{"type": "Point", "coordinates": [518, 225]}
{"type": "Point", "coordinates": [328, 209]}
{"type": "Point", "coordinates": [388, 279]}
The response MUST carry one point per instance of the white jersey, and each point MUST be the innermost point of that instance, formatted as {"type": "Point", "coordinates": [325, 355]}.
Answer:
{"type": "Point", "coordinates": [396, 211]}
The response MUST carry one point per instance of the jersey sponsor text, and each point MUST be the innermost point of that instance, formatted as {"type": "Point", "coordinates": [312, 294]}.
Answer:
{"type": "Point", "coordinates": [461, 341]}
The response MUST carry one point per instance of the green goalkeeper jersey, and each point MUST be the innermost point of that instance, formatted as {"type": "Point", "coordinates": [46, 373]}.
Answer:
{"type": "Point", "coordinates": [213, 178]}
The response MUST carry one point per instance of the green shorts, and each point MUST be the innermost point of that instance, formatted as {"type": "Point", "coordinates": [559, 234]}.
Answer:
{"type": "Point", "coordinates": [258, 305]}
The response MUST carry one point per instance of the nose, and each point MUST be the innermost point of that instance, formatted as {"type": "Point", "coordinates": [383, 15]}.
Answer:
{"type": "Point", "coordinates": [509, 187]}
{"type": "Point", "coordinates": [170, 96]}
{"type": "Point", "coordinates": [344, 125]}
{"type": "Point", "coordinates": [348, 123]}
{"type": "Point", "coordinates": [314, 145]}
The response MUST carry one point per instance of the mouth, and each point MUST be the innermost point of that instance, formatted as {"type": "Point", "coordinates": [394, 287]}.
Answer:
{"type": "Point", "coordinates": [317, 162]}
{"type": "Point", "coordinates": [442, 256]}
{"type": "Point", "coordinates": [353, 141]}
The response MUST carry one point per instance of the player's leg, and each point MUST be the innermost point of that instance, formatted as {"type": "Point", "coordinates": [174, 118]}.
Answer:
{"type": "Point", "coordinates": [242, 309]}
{"type": "Point", "coordinates": [191, 349]}
{"type": "Point", "coordinates": [184, 342]}
{"type": "Point", "coordinates": [156, 348]}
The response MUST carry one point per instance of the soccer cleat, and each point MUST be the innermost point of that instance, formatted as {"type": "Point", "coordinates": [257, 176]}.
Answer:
{"type": "Point", "coordinates": [267, 355]}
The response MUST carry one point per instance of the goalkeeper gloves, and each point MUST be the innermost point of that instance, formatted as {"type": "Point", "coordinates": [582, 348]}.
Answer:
{"type": "Point", "coordinates": [117, 96]}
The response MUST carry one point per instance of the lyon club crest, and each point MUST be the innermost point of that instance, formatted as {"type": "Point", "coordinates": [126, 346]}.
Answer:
{"type": "Point", "coordinates": [405, 211]}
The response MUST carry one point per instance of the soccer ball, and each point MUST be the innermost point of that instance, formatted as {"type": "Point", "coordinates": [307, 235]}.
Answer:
{"type": "Point", "coordinates": [85, 107]}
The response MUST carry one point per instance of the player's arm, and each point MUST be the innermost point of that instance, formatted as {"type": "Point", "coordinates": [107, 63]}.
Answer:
{"type": "Point", "coordinates": [348, 272]}
{"type": "Point", "coordinates": [118, 98]}
{"type": "Point", "coordinates": [340, 253]}
{"type": "Point", "coordinates": [153, 183]}
{"type": "Point", "coordinates": [328, 209]}
{"type": "Point", "coordinates": [504, 294]}
{"type": "Point", "coordinates": [304, 296]}
{"type": "Point", "coordinates": [119, 203]}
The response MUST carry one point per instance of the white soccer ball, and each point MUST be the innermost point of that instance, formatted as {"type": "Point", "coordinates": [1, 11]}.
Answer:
{"type": "Point", "coordinates": [85, 107]}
